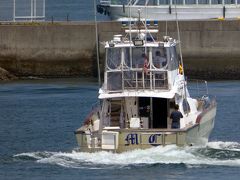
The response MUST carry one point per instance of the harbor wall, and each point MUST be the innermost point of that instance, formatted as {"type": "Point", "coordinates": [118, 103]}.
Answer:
{"type": "Point", "coordinates": [211, 49]}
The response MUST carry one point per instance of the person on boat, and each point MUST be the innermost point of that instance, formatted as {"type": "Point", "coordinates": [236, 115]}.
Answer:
{"type": "Point", "coordinates": [159, 60]}
{"type": "Point", "coordinates": [146, 64]}
{"type": "Point", "coordinates": [176, 115]}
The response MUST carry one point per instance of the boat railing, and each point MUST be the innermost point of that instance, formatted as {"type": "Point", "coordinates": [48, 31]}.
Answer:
{"type": "Point", "coordinates": [172, 2]}
{"type": "Point", "coordinates": [197, 88]}
{"type": "Point", "coordinates": [136, 79]}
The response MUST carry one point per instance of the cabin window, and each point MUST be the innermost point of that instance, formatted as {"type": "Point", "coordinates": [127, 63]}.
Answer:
{"type": "Point", "coordinates": [138, 57]}
{"type": "Point", "coordinates": [173, 58]}
{"type": "Point", "coordinates": [126, 52]}
{"type": "Point", "coordinates": [114, 80]}
{"type": "Point", "coordinates": [113, 58]}
{"type": "Point", "coordinates": [159, 57]}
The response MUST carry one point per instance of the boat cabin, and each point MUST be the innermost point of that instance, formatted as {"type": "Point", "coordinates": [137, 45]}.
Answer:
{"type": "Point", "coordinates": [140, 67]}
{"type": "Point", "coordinates": [138, 112]}
{"type": "Point", "coordinates": [138, 82]}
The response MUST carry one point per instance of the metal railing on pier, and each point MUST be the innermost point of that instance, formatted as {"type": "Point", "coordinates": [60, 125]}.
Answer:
{"type": "Point", "coordinates": [172, 2]}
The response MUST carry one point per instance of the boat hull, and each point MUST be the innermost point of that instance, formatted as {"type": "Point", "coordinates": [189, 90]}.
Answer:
{"type": "Point", "coordinates": [122, 140]}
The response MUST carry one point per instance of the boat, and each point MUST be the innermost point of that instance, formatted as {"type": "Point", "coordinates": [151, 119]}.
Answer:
{"type": "Point", "coordinates": [143, 81]}
{"type": "Point", "coordinates": [165, 10]}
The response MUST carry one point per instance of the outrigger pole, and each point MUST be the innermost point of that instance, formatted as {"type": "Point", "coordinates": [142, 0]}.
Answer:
{"type": "Point", "coordinates": [179, 38]}
{"type": "Point", "coordinates": [181, 58]}
{"type": "Point", "coordinates": [130, 29]}
{"type": "Point", "coordinates": [97, 44]}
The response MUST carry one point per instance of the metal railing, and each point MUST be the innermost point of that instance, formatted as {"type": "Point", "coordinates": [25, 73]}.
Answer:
{"type": "Point", "coordinates": [197, 88]}
{"type": "Point", "coordinates": [136, 79]}
{"type": "Point", "coordinates": [178, 2]}
{"type": "Point", "coordinates": [36, 11]}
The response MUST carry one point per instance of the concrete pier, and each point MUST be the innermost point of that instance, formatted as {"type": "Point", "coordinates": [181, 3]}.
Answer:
{"type": "Point", "coordinates": [211, 49]}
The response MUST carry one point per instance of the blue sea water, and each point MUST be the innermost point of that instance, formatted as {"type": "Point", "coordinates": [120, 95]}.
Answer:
{"type": "Point", "coordinates": [38, 118]}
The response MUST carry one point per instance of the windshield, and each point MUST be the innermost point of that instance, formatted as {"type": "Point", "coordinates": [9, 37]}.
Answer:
{"type": "Point", "coordinates": [138, 57]}
{"type": "Point", "coordinates": [173, 58]}
{"type": "Point", "coordinates": [113, 58]}
{"type": "Point", "coordinates": [151, 57]}
{"type": "Point", "coordinates": [159, 57]}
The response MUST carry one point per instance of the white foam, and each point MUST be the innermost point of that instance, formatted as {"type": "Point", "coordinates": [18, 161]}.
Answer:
{"type": "Point", "coordinates": [35, 155]}
{"type": "Point", "coordinates": [232, 146]}
{"type": "Point", "coordinates": [157, 155]}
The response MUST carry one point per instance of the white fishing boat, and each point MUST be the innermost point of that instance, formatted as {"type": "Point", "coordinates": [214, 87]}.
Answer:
{"type": "Point", "coordinates": [166, 9]}
{"type": "Point", "coordinates": [143, 81]}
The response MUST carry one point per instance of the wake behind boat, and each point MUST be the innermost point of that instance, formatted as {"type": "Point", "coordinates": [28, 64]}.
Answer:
{"type": "Point", "coordinates": [144, 82]}
{"type": "Point", "coordinates": [166, 9]}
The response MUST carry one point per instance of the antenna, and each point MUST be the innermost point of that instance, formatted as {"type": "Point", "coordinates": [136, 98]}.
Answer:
{"type": "Point", "coordinates": [180, 51]}
{"type": "Point", "coordinates": [139, 21]}
{"type": "Point", "coordinates": [146, 26]}
{"type": "Point", "coordinates": [180, 44]}
{"type": "Point", "coordinates": [166, 27]}
{"type": "Point", "coordinates": [97, 45]}
{"type": "Point", "coordinates": [130, 29]}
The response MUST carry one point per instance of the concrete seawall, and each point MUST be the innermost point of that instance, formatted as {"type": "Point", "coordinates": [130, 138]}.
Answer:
{"type": "Point", "coordinates": [211, 49]}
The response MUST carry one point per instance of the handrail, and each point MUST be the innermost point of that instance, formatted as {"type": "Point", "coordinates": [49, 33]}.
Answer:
{"type": "Point", "coordinates": [199, 86]}
{"type": "Point", "coordinates": [136, 79]}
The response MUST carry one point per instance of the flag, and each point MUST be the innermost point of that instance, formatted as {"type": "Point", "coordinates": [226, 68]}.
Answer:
{"type": "Point", "coordinates": [180, 68]}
